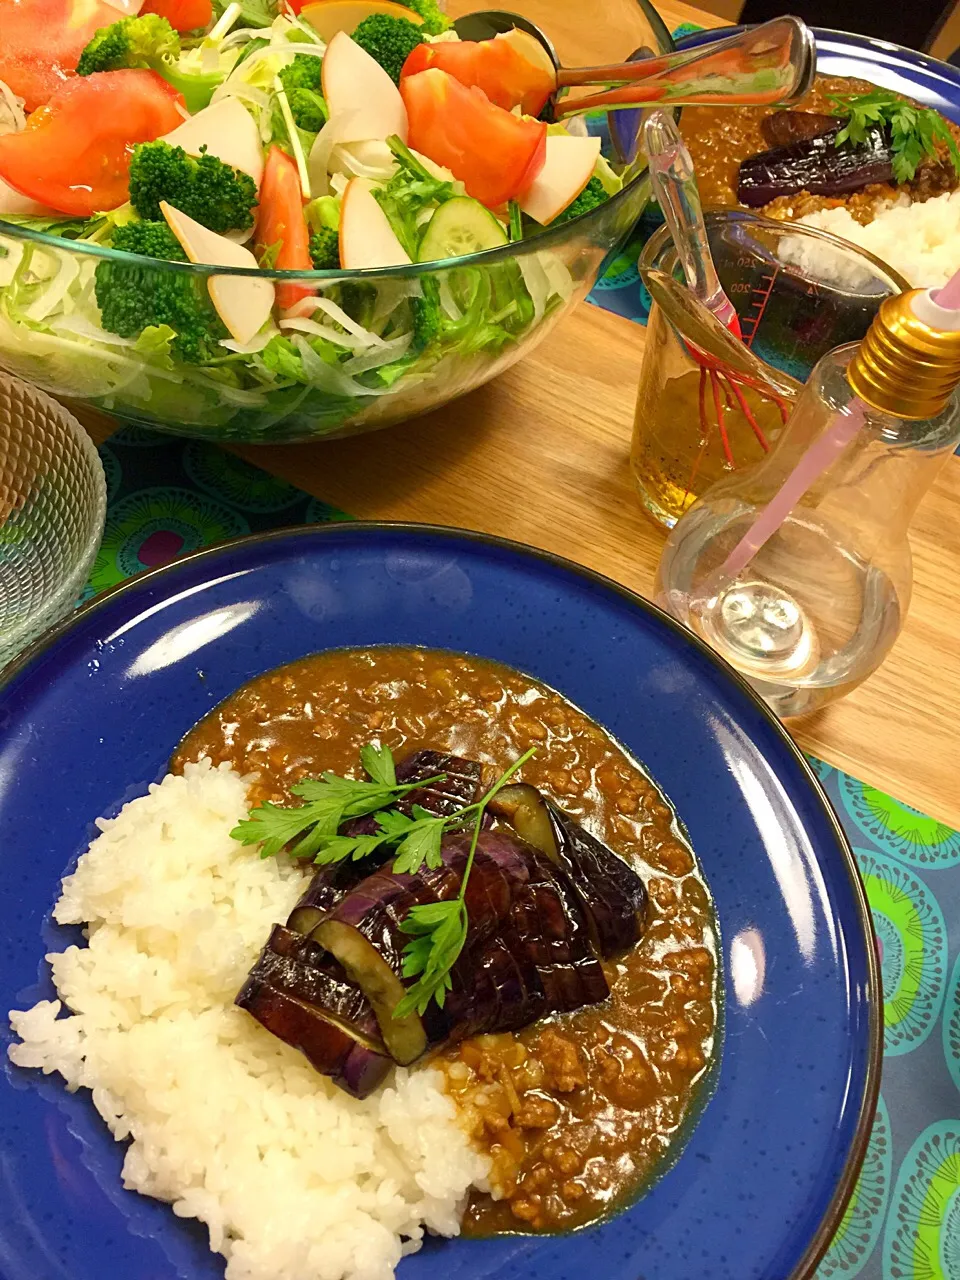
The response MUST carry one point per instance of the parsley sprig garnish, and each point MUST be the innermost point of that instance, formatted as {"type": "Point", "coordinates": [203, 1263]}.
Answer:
{"type": "Point", "coordinates": [311, 830]}
{"type": "Point", "coordinates": [914, 131]}
{"type": "Point", "coordinates": [439, 929]}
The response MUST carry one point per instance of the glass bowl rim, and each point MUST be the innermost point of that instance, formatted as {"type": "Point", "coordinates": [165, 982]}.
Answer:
{"type": "Point", "coordinates": [661, 238]}
{"type": "Point", "coordinates": [550, 237]}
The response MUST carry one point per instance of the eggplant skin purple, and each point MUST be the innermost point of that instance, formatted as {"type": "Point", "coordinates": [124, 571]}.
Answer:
{"type": "Point", "coordinates": [541, 917]}
{"type": "Point", "coordinates": [816, 165]}
{"type": "Point", "coordinates": [612, 895]}
{"type": "Point", "coordinates": [782, 128]}
{"type": "Point", "coordinates": [300, 994]}
{"type": "Point", "coordinates": [537, 960]}
{"type": "Point", "coordinates": [528, 951]}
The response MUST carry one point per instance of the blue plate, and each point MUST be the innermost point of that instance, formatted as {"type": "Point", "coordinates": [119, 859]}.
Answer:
{"type": "Point", "coordinates": [90, 716]}
{"type": "Point", "coordinates": [889, 66]}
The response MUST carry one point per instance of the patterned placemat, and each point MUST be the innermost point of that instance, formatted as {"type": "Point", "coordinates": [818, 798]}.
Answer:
{"type": "Point", "coordinates": [903, 1222]}
{"type": "Point", "coordinates": [168, 497]}
{"type": "Point", "coordinates": [620, 288]}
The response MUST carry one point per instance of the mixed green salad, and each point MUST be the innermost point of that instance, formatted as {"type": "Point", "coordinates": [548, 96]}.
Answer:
{"type": "Point", "coordinates": [334, 136]}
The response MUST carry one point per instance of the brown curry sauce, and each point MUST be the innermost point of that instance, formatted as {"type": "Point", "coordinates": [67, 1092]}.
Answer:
{"type": "Point", "coordinates": [720, 138]}
{"type": "Point", "coordinates": [577, 1112]}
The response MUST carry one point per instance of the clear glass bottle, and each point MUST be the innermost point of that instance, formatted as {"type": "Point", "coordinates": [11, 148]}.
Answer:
{"type": "Point", "coordinates": [805, 594]}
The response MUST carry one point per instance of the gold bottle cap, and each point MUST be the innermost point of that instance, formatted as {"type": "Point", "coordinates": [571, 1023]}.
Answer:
{"type": "Point", "coordinates": [904, 367]}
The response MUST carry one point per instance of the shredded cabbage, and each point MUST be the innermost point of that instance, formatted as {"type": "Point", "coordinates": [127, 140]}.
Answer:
{"type": "Point", "coordinates": [256, 343]}
{"type": "Point", "coordinates": [306, 305]}
{"type": "Point", "coordinates": [334, 336]}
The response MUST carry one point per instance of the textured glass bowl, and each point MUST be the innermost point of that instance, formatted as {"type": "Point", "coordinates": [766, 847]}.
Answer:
{"type": "Point", "coordinates": [52, 505]}
{"type": "Point", "coordinates": [244, 400]}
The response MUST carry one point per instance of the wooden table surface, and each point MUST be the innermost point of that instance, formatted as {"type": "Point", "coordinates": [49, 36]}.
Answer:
{"type": "Point", "coordinates": [540, 455]}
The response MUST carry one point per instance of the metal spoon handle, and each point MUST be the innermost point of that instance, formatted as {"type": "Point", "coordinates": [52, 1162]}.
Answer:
{"type": "Point", "coordinates": [675, 186]}
{"type": "Point", "coordinates": [772, 63]}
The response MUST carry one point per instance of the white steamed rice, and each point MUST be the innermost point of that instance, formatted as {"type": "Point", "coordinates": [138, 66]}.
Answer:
{"type": "Point", "coordinates": [294, 1179]}
{"type": "Point", "coordinates": [921, 240]}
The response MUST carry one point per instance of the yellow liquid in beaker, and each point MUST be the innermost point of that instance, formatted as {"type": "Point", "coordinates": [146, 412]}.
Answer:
{"type": "Point", "coordinates": [679, 448]}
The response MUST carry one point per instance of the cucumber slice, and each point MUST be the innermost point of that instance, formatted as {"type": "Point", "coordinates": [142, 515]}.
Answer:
{"type": "Point", "coordinates": [460, 226]}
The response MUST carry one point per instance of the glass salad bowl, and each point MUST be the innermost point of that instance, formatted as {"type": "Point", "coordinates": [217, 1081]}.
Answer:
{"type": "Point", "coordinates": [356, 358]}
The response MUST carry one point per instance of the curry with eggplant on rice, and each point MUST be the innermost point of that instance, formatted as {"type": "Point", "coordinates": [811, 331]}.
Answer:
{"type": "Point", "coordinates": [580, 1020]}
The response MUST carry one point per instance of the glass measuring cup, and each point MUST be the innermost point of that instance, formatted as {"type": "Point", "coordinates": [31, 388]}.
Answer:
{"type": "Point", "coordinates": [799, 292]}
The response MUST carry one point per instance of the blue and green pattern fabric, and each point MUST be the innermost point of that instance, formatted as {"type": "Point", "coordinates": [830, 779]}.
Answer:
{"type": "Point", "coordinates": [903, 1222]}
{"type": "Point", "coordinates": [166, 497]}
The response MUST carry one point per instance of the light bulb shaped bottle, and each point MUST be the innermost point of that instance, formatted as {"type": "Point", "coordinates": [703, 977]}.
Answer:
{"type": "Point", "coordinates": [798, 570]}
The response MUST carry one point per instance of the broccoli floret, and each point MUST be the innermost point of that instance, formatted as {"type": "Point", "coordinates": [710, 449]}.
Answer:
{"type": "Point", "coordinates": [308, 108]}
{"type": "Point", "coordinates": [150, 41]}
{"type": "Point", "coordinates": [325, 249]}
{"type": "Point", "coordinates": [131, 42]}
{"type": "Point", "coordinates": [389, 41]}
{"type": "Point", "coordinates": [149, 239]}
{"type": "Point", "coordinates": [323, 220]}
{"type": "Point", "coordinates": [429, 318]}
{"type": "Point", "coordinates": [591, 195]}
{"type": "Point", "coordinates": [302, 73]}
{"type": "Point", "coordinates": [133, 297]}
{"type": "Point", "coordinates": [427, 322]}
{"type": "Point", "coordinates": [206, 189]}
{"type": "Point", "coordinates": [301, 83]}
{"type": "Point", "coordinates": [434, 21]}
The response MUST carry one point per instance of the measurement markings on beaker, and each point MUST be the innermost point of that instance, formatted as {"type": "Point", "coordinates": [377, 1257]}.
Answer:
{"type": "Point", "coordinates": [761, 296]}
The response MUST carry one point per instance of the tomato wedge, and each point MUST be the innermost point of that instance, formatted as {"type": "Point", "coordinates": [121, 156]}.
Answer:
{"type": "Point", "coordinates": [281, 222]}
{"type": "Point", "coordinates": [41, 42]}
{"type": "Point", "coordinates": [495, 155]}
{"type": "Point", "coordinates": [183, 15]}
{"type": "Point", "coordinates": [74, 155]}
{"type": "Point", "coordinates": [512, 69]}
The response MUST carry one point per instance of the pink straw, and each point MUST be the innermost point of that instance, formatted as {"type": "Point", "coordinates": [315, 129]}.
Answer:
{"type": "Point", "coordinates": [949, 296]}
{"type": "Point", "coordinates": [824, 451]}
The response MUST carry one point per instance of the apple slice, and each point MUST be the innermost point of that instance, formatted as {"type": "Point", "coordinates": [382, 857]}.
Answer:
{"type": "Point", "coordinates": [228, 131]}
{"type": "Point", "coordinates": [531, 50]}
{"type": "Point", "coordinates": [354, 83]}
{"type": "Point", "coordinates": [243, 303]}
{"type": "Point", "coordinates": [327, 17]}
{"type": "Point", "coordinates": [529, 53]}
{"type": "Point", "coordinates": [567, 168]}
{"type": "Point", "coordinates": [366, 236]}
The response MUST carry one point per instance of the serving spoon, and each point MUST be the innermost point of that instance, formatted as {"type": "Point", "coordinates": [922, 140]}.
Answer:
{"type": "Point", "coordinates": [774, 63]}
